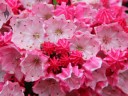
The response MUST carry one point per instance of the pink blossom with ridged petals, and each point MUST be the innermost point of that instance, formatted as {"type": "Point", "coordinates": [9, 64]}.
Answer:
{"type": "Point", "coordinates": [111, 36]}
{"type": "Point", "coordinates": [63, 46]}
{"type": "Point", "coordinates": [64, 60]}
{"type": "Point", "coordinates": [76, 58]}
{"type": "Point", "coordinates": [46, 13]}
{"type": "Point", "coordinates": [58, 28]}
{"type": "Point", "coordinates": [109, 15]}
{"type": "Point", "coordinates": [87, 44]}
{"type": "Point", "coordinates": [48, 48]}
{"type": "Point", "coordinates": [33, 65]}
{"type": "Point", "coordinates": [54, 65]}
{"type": "Point", "coordinates": [105, 16]}
{"type": "Point", "coordinates": [10, 58]}
{"type": "Point", "coordinates": [48, 87]}
{"type": "Point", "coordinates": [115, 56]}
{"type": "Point", "coordinates": [68, 11]}
{"type": "Point", "coordinates": [12, 89]}
{"type": "Point", "coordinates": [26, 35]}
{"type": "Point", "coordinates": [72, 77]}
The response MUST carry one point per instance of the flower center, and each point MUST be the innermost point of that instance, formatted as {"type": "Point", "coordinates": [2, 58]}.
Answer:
{"type": "Point", "coordinates": [106, 39]}
{"type": "Point", "coordinates": [78, 47]}
{"type": "Point", "coordinates": [58, 32]}
{"type": "Point", "coordinates": [36, 36]}
{"type": "Point", "coordinates": [36, 61]}
{"type": "Point", "coordinates": [47, 16]}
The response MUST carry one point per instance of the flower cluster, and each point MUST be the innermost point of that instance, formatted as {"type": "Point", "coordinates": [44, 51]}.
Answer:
{"type": "Point", "coordinates": [63, 48]}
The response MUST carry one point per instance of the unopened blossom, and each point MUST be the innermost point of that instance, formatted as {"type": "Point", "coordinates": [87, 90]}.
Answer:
{"type": "Point", "coordinates": [76, 58]}
{"type": "Point", "coordinates": [109, 15]}
{"type": "Point", "coordinates": [115, 56]}
{"type": "Point", "coordinates": [63, 46]}
{"type": "Point", "coordinates": [48, 48]}
{"type": "Point", "coordinates": [68, 11]}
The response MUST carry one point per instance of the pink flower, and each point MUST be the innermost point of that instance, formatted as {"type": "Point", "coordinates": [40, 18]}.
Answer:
{"type": "Point", "coordinates": [25, 30]}
{"type": "Point", "coordinates": [68, 11]}
{"type": "Point", "coordinates": [46, 13]}
{"type": "Point", "coordinates": [98, 76]}
{"type": "Point", "coordinates": [93, 64]}
{"type": "Point", "coordinates": [10, 58]}
{"type": "Point", "coordinates": [28, 4]}
{"type": "Point", "coordinates": [64, 60]}
{"type": "Point", "coordinates": [48, 87]}
{"type": "Point", "coordinates": [33, 65]}
{"type": "Point", "coordinates": [12, 89]}
{"type": "Point", "coordinates": [87, 44]}
{"type": "Point", "coordinates": [71, 77]}
{"type": "Point", "coordinates": [110, 36]}
{"type": "Point", "coordinates": [59, 28]}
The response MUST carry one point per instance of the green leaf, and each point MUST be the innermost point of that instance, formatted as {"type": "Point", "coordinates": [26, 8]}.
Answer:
{"type": "Point", "coordinates": [54, 2]}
